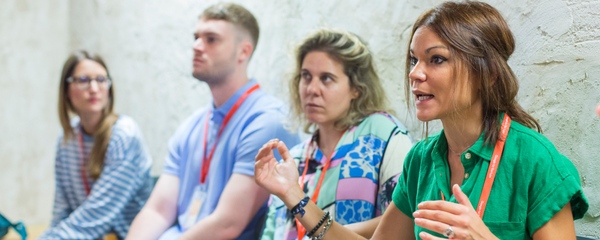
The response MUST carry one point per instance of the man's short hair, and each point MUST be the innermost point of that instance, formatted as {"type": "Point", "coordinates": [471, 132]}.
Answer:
{"type": "Point", "coordinates": [235, 14]}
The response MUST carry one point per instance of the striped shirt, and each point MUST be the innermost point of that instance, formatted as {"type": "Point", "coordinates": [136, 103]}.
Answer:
{"type": "Point", "coordinates": [115, 198]}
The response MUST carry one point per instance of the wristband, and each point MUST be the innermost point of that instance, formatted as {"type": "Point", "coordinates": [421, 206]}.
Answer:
{"type": "Point", "coordinates": [299, 208]}
{"type": "Point", "coordinates": [314, 230]}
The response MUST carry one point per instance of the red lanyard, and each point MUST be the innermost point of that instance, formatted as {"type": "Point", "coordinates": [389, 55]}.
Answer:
{"type": "Point", "coordinates": [300, 227]}
{"type": "Point", "coordinates": [206, 160]}
{"type": "Point", "coordinates": [83, 166]}
{"type": "Point", "coordinates": [491, 173]}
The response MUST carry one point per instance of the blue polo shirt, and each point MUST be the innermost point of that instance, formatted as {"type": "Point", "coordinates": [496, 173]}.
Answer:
{"type": "Point", "coordinates": [259, 119]}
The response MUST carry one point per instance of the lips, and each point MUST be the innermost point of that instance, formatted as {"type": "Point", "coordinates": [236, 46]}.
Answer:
{"type": "Point", "coordinates": [422, 96]}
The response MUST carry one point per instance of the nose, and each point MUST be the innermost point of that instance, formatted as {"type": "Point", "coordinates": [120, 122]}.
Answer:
{"type": "Point", "coordinates": [417, 74]}
{"type": "Point", "coordinates": [312, 86]}
{"type": "Point", "coordinates": [94, 85]}
{"type": "Point", "coordinates": [199, 45]}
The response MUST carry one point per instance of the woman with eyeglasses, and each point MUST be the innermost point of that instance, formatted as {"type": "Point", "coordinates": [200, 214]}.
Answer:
{"type": "Point", "coordinates": [102, 165]}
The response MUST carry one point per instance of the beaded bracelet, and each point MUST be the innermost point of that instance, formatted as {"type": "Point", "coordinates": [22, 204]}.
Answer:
{"type": "Point", "coordinates": [299, 208]}
{"type": "Point", "coordinates": [314, 230]}
{"type": "Point", "coordinates": [325, 228]}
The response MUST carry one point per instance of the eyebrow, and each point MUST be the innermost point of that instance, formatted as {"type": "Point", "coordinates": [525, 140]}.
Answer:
{"type": "Point", "coordinates": [431, 48]}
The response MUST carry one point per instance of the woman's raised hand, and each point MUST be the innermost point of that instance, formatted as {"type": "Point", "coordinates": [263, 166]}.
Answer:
{"type": "Point", "coordinates": [276, 177]}
{"type": "Point", "coordinates": [454, 220]}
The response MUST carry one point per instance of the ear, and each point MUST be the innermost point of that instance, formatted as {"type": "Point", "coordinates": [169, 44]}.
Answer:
{"type": "Point", "coordinates": [355, 93]}
{"type": "Point", "coordinates": [246, 50]}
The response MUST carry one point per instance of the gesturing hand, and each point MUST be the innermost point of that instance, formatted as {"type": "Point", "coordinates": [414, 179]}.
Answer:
{"type": "Point", "coordinates": [275, 177]}
{"type": "Point", "coordinates": [455, 220]}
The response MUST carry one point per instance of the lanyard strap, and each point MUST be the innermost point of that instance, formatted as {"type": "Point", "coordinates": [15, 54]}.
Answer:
{"type": "Point", "coordinates": [84, 179]}
{"type": "Point", "coordinates": [299, 226]}
{"type": "Point", "coordinates": [493, 167]}
{"type": "Point", "coordinates": [207, 159]}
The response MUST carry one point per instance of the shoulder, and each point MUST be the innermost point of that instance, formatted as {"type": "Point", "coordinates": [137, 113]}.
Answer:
{"type": "Point", "coordinates": [125, 127]}
{"type": "Point", "coordinates": [424, 147]}
{"type": "Point", "coordinates": [382, 124]}
{"type": "Point", "coordinates": [531, 150]}
{"type": "Point", "coordinates": [265, 102]}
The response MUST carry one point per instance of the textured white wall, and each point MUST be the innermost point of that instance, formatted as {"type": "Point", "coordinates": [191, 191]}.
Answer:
{"type": "Point", "coordinates": [34, 37]}
{"type": "Point", "coordinates": [147, 46]}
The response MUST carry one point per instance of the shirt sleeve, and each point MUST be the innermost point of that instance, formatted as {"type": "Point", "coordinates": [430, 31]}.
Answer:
{"type": "Point", "coordinates": [410, 172]}
{"type": "Point", "coordinates": [396, 150]}
{"type": "Point", "coordinates": [61, 209]}
{"type": "Point", "coordinates": [119, 181]}
{"type": "Point", "coordinates": [258, 132]}
{"type": "Point", "coordinates": [554, 184]}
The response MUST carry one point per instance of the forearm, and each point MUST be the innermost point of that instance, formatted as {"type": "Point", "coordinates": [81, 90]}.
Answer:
{"type": "Point", "coordinates": [366, 228]}
{"type": "Point", "coordinates": [214, 227]}
{"type": "Point", "coordinates": [149, 224]}
{"type": "Point", "coordinates": [313, 215]}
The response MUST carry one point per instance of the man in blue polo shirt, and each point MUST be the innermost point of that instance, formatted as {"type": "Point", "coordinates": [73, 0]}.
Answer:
{"type": "Point", "coordinates": [207, 190]}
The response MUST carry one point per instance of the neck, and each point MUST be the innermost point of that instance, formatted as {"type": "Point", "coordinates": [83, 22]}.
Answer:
{"type": "Point", "coordinates": [328, 138]}
{"type": "Point", "coordinates": [462, 130]}
{"type": "Point", "coordinates": [89, 122]}
{"type": "Point", "coordinates": [223, 90]}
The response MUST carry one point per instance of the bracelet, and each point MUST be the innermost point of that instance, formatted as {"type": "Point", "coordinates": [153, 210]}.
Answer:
{"type": "Point", "coordinates": [314, 230]}
{"type": "Point", "coordinates": [299, 208]}
{"type": "Point", "coordinates": [322, 233]}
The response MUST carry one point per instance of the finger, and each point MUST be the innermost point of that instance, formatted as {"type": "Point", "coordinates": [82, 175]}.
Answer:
{"type": "Point", "coordinates": [431, 225]}
{"type": "Point", "coordinates": [450, 207]}
{"type": "Point", "coordinates": [284, 152]}
{"type": "Point", "coordinates": [266, 149]}
{"type": "Point", "coordinates": [427, 236]}
{"type": "Point", "coordinates": [436, 215]}
{"type": "Point", "coordinates": [460, 196]}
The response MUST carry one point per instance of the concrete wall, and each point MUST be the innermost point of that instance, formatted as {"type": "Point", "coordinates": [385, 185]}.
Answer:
{"type": "Point", "coordinates": [147, 45]}
{"type": "Point", "coordinates": [34, 39]}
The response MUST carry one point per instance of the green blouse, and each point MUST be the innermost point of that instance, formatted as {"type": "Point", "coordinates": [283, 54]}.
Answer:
{"type": "Point", "coordinates": [533, 182]}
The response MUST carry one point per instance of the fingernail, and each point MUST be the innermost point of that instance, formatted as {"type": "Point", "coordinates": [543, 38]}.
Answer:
{"type": "Point", "coordinates": [416, 214]}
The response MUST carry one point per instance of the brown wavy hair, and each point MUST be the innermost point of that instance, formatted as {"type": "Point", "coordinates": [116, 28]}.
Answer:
{"type": "Point", "coordinates": [357, 60]}
{"type": "Point", "coordinates": [65, 109]}
{"type": "Point", "coordinates": [479, 37]}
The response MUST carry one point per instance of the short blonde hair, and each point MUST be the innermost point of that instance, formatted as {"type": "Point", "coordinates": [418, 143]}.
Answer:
{"type": "Point", "coordinates": [354, 55]}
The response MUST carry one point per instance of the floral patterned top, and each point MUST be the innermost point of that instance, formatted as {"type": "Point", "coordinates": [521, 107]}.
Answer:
{"type": "Point", "coordinates": [360, 180]}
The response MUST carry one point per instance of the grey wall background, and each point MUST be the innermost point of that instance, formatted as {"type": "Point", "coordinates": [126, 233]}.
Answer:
{"type": "Point", "coordinates": [147, 46]}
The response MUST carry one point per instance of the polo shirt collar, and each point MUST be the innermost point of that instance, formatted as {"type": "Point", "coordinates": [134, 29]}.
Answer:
{"type": "Point", "coordinates": [220, 112]}
{"type": "Point", "coordinates": [479, 148]}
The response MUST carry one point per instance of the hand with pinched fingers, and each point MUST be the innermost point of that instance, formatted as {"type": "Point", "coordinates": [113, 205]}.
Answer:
{"type": "Point", "coordinates": [275, 177]}
{"type": "Point", "coordinates": [453, 220]}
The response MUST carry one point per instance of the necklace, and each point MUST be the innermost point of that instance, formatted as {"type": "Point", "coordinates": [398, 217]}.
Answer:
{"type": "Point", "coordinates": [457, 153]}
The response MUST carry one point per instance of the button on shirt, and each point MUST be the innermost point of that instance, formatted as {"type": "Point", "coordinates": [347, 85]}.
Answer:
{"type": "Point", "coordinates": [533, 182]}
{"type": "Point", "coordinates": [259, 119]}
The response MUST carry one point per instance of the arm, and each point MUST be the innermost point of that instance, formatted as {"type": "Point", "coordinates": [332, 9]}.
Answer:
{"type": "Point", "coordinates": [560, 226]}
{"type": "Point", "coordinates": [240, 201]}
{"type": "Point", "coordinates": [281, 180]}
{"type": "Point", "coordinates": [365, 228]}
{"type": "Point", "coordinates": [116, 186]}
{"type": "Point", "coordinates": [159, 212]}
{"type": "Point", "coordinates": [61, 209]}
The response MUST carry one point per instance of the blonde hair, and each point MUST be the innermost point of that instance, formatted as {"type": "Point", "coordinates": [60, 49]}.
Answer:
{"type": "Point", "coordinates": [353, 54]}
{"type": "Point", "coordinates": [65, 108]}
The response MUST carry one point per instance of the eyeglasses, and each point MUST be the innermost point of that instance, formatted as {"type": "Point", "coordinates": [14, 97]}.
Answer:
{"type": "Point", "coordinates": [85, 82]}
